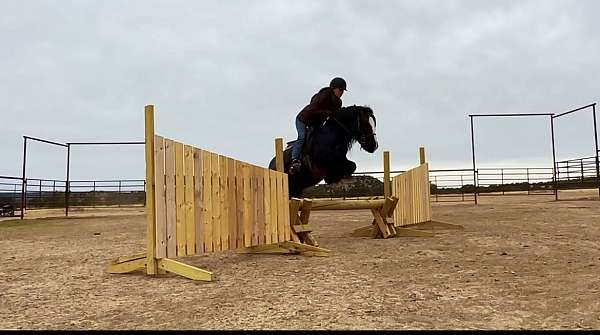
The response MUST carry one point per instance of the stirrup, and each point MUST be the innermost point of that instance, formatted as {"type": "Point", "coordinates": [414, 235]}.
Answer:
{"type": "Point", "coordinates": [295, 166]}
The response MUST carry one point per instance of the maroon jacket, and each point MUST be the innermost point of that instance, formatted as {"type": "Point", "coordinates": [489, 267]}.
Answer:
{"type": "Point", "coordinates": [322, 105]}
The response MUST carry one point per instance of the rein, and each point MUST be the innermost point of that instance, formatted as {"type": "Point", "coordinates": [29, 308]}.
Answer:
{"type": "Point", "coordinates": [362, 136]}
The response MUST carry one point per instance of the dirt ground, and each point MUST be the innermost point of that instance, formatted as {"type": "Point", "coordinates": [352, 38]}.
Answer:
{"type": "Point", "coordinates": [520, 263]}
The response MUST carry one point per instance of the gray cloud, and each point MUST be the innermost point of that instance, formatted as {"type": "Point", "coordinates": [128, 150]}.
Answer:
{"type": "Point", "coordinates": [230, 76]}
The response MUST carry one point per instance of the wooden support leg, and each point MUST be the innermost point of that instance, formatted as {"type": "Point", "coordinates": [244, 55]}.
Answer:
{"type": "Point", "coordinates": [127, 264]}
{"type": "Point", "coordinates": [184, 270]}
{"type": "Point", "coordinates": [381, 224]}
{"type": "Point", "coordinates": [304, 219]}
{"type": "Point", "coordinates": [140, 261]}
{"type": "Point", "coordinates": [294, 206]}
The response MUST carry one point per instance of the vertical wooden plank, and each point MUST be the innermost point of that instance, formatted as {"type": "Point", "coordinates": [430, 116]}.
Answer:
{"type": "Point", "coordinates": [415, 196]}
{"type": "Point", "coordinates": [400, 207]}
{"type": "Point", "coordinates": [224, 163]}
{"type": "Point", "coordinates": [247, 203]}
{"type": "Point", "coordinates": [418, 195]}
{"type": "Point", "coordinates": [207, 201]}
{"type": "Point", "coordinates": [216, 200]}
{"type": "Point", "coordinates": [409, 196]}
{"type": "Point", "coordinates": [171, 202]}
{"type": "Point", "coordinates": [161, 200]}
{"type": "Point", "coordinates": [239, 203]}
{"type": "Point", "coordinates": [286, 207]}
{"type": "Point", "coordinates": [414, 191]}
{"type": "Point", "coordinates": [150, 159]}
{"type": "Point", "coordinates": [395, 194]}
{"type": "Point", "coordinates": [406, 199]}
{"type": "Point", "coordinates": [422, 197]}
{"type": "Point", "coordinates": [179, 200]}
{"type": "Point", "coordinates": [199, 210]}
{"type": "Point", "coordinates": [281, 229]}
{"type": "Point", "coordinates": [254, 204]}
{"type": "Point", "coordinates": [402, 199]}
{"type": "Point", "coordinates": [401, 202]}
{"type": "Point", "coordinates": [267, 206]}
{"type": "Point", "coordinates": [429, 209]}
{"type": "Point", "coordinates": [260, 202]}
{"type": "Point", "coordinates": [274, 207]}
{"type": "Point", "coordinates": [424, 186]}
{"type": "Point", "coordinates": [232, 191]}
{"type": "Point", "coordinates": [190, 228]}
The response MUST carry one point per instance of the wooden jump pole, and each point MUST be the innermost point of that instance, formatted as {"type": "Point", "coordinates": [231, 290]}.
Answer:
{"type": "Point", "coordinates": [422, 155]}
{"type": "Point", "coordinates": [326, 204]}
{"type": "Point", "coordinates": [279, 154]}
{"type": "Point", "coordinates": [151, 266]}
{"type": "Point", "coordinates": [387, 182]}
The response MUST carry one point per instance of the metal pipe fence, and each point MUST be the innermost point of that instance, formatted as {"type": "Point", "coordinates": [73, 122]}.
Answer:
{"type": "Point", "coordinates": [50, 193]}
{"type": "Point", "coordinates": [447, 185]}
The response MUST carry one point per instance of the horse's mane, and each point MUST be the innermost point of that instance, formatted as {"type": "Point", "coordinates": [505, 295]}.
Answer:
{"type": "Point", "coordinates": [348, 116]}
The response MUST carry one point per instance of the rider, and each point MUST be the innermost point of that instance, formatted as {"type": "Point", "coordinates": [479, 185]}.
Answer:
{"type": "Point", "coordinates": [323, 104]}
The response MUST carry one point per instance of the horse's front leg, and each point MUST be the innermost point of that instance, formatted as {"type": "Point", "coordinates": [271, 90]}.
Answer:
{"type": "Point", "coordinates": [349, 168]}
{"type": "Point", "coordinates": [342, 169]}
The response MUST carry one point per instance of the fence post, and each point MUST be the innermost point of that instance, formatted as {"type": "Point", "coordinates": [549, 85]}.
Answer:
{"type": "Point", "coordinates": [475, 178]}
{"type": "Point", "coordinates": [40, 195]}
{"type": "Point", "coordinates": [502, 179]}
{"type": "Point", "coordinates": [462, 190]}
{"type": "Point", "coordinates": [436, 188]}
{"type": "Point", "coordinates": [94, 195]}
{"type": "Point", "coordinates": [120, 196]}
{"type": "Point", "coordinates": [581, 160]}
{"type": "Point", "coordinates": [528, 184]}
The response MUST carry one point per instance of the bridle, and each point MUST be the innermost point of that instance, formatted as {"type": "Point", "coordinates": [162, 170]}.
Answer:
{"type": "Point", "coordinates": [360, 137]}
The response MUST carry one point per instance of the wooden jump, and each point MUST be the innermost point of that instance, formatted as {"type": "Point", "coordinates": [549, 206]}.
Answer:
{"type": "Point", "coordinates": [199, 202]}
{"type": "Point", "coordinates": [406, 202]}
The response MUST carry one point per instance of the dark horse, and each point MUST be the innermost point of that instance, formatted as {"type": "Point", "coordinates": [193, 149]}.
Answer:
{"type": "Point", "coordinates": [326, 146]}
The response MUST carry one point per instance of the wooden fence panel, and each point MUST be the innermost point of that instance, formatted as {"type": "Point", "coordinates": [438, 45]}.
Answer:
{"type": "Point", "coordinates": [207, 202]}
{"type": "Point", "coordinates": [413, 190]}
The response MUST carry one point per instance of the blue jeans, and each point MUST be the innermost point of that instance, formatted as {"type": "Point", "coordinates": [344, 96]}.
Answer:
{"type": "Point", "coordinates": [297, 150]}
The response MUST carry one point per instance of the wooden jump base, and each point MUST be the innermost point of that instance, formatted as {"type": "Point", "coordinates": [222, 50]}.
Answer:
{"type": "Point", "coordinates": [380, 208]}
{"type": "Point", "coordinates": [199, 202]}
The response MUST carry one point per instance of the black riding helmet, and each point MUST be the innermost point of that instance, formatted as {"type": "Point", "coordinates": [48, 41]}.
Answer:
{"type": "Point", "coordinates": [338, 82]}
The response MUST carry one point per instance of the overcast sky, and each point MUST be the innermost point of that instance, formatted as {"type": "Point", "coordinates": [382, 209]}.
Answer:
{"type": "Point", "coordinates": [230, 76]}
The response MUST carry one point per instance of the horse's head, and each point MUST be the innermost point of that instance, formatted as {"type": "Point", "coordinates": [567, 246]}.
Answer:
{"type": "Point", "coordinates": [362, 124]}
